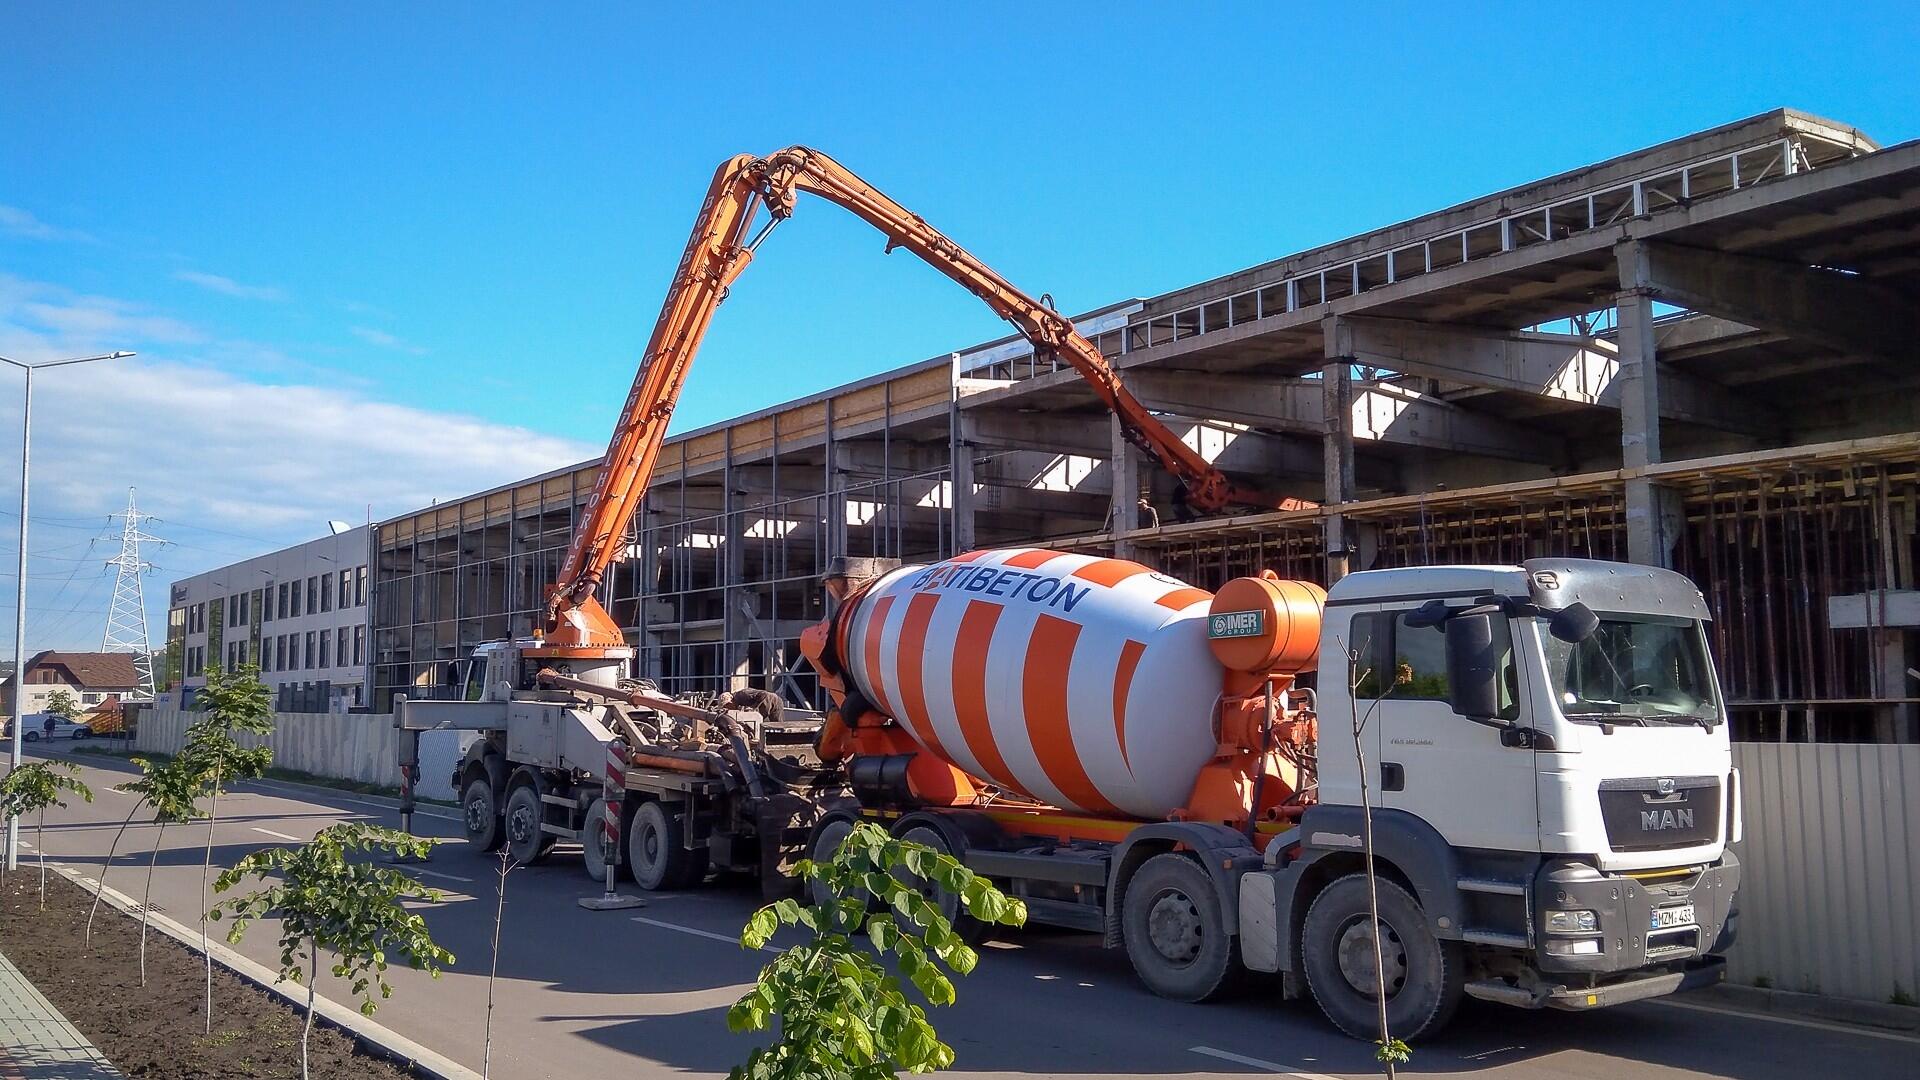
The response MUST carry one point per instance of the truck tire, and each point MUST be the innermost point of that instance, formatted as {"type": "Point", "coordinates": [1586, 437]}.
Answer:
{"type": "Point", "coordinates": [1175, 933]}
{"type": "Point", "coordinates": [527, 842]}
{"type": "Point", "coordinates": [826, 840]}
{"type": "Point", "coordinates": [1425, 976]}
{"type": "Point", "coordinates": [657, 850]}
{"type": "Point", "coordinates": [480, 816]}
{"type": "Point", "coordinates": [593, 840]}
{"type": "Point", "coordinates": [971, 930]}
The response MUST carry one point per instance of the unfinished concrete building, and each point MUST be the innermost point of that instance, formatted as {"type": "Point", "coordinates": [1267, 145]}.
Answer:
{"type": "Point", "coordinates": [1700, 354]}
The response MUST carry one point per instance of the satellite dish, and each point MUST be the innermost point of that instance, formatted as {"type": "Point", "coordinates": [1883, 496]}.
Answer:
{"type": "Point", "coordinates": [338, 527]}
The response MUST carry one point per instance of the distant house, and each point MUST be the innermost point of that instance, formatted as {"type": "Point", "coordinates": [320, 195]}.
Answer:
{"type": "Point", "coordinates": [91, 677]}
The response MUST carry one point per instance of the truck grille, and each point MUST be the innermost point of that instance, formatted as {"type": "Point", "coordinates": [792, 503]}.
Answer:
{"type": "Point", "coordinates": [1649, 814]}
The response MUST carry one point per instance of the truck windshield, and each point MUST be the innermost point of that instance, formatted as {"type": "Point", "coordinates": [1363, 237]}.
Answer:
{"type": "Point", "coordinates": [1638, 669]}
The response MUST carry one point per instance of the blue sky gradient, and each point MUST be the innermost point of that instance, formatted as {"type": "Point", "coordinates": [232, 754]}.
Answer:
{"type": "Point", "coordinates": [474, 209]}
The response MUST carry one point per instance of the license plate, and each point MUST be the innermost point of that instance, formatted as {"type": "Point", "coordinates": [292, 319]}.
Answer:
{"type": "Point", "coordinates": [1667, 918]}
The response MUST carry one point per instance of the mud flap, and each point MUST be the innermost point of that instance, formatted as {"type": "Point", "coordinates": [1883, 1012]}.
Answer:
{"type": "Point", "coordinates": [784, 823]}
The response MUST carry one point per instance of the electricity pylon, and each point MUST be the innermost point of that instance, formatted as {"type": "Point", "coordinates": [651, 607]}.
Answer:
{"type": "Point", "coordinates": [127, 616]}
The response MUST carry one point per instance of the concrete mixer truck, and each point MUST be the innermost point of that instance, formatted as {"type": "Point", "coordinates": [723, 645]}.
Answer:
{"type": "Point", "coordinates": [1544, 748]}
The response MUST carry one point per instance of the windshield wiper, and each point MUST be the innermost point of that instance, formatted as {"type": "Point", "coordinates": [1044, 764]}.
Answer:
{"type": "Point", "coordinates": [1608, 717]}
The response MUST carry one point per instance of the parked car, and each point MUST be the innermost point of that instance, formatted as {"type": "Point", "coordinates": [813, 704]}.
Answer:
{"type": "Point", "coordinates": [36, 729]}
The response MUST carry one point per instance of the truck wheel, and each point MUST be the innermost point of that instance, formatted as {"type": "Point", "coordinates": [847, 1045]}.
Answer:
{"type": "Point", "coordinates": [826, 840]}
{"type": "Point", "coordinates": [527, 842]}
{"type": "Point", "coordinates": [1425, 975]}
{"type": "Point", "coordinates": [593, 840]}
{"type": "Point", "coordinates": [480, 816]}
{"type": "Point", "coordinates": [1175, 932]}
{"type": "Point", "coordinates": [657, 850]}
{"type": "Point", "coordinates": [971, 930]}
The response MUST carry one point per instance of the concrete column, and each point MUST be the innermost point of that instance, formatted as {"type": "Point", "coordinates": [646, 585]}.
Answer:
{"type": "Point", "coordinates": [1123, 515]}
{"type": "Point", "coordinates": [833, 499]}
{"type": "Point", "coordinates": [961, 452]}
{"type": "Point", "coordinates": [733, 553]}
{"type": "Point", "coordinates": [1654, 517]}
{"type": "Point", "coordinates": [1895, 722]}
{"type": "Point", "coordinates": [1336, 413]}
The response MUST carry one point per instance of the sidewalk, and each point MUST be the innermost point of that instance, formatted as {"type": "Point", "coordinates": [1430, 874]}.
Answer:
{"type": "Point", "coordinates": [36, 1042]}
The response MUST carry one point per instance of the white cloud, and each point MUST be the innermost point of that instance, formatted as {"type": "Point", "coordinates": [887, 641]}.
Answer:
{"type": "Point", "coordinates": [226, 286]}
{"type": "Point", "coordinates": [19, 222]}
{"type": "Point", "coordinates": [387, 341]}
{"type": "Point", "coordinates": [255, 464]}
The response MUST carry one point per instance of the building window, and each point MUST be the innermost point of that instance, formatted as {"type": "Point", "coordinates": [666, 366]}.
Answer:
{"type": "Point", "coordinates": [326, 591]}
{"type": "Point", "coordinates": [326, 643]}
{"type": "Point", "coordinates": [266, 655]}
{"type": "Point", "coordinates": [280, 653]}
{"type": "Point", "coordinates": [346, 589]}
{"type": "Point", "coordinates": [244, 612]}
{"type": "Point", "coordinates": [266, 603]}
{"type": "Point", "coordinates": [359, 586]}
{"type": "Point", "coordinates": [313, 646]}
{"type": "Point", "coordinates": [359, 645]}
{"type": "Point", "coordinates": [296, 599]}
{"type": "Point", "coordinates": [283, 599]}
{"type": "Point", "coordinates": [313, 595]}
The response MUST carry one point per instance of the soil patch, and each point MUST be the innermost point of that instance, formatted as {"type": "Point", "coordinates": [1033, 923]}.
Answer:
{"type": "Point", "coordinates": [156, 1030]}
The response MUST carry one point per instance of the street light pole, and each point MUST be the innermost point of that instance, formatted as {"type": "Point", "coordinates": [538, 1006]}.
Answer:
{"type": "Point", "coordinates": [20, 592]}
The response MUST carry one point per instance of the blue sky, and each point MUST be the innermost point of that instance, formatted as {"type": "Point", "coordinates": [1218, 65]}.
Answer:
{"type": "Point", "coordinates": [371, 258]}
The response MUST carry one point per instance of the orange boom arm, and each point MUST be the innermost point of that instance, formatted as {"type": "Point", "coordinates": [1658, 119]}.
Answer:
{"type": "Point", "coordinates": [717, 252]}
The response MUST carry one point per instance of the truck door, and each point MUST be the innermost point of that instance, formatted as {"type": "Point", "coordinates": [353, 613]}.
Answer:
{"type": "Point", "coordinates": [1431, 762]}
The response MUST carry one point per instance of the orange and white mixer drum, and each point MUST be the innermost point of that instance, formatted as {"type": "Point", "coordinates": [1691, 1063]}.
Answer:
{"type": "Point", "coordinates": [1084, 682]}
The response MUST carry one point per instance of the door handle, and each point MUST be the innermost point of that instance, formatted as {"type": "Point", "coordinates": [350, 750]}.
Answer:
{"type": "Point", "coordinates": [1393, 776]}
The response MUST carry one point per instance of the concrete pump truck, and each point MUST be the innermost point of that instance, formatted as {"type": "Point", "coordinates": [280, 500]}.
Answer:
{"type": "Point", "coordinates": [1544, 746]}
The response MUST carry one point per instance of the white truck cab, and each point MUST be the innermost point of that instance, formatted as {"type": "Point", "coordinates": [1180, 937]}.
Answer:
{"type": "Point", "coordinates": [1547, 756]}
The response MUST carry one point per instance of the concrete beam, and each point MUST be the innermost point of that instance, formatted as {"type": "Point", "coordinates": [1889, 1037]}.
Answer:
{"type": "Point", "coordinates": [1246, 452]}
{"type": "Point", "coordinates": [1567, 367]}
{"type": "Point", "coordinates": [1841, 311]}
{"type": "Point", "coordinates": [1382, 413]}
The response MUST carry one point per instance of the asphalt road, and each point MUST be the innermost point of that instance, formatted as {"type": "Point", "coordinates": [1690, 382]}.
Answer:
{"type": "Point", "coordinates": [645, 993]}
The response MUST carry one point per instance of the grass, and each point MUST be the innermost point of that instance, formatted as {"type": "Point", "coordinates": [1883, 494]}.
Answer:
{"type": "Point", "coordinates": [291, 776]}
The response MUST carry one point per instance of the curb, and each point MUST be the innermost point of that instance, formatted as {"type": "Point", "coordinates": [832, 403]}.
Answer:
{"type": "Point", "coordinates": [380, 1039]}
{"type": "Point", "coordinates": [1861, 1014]}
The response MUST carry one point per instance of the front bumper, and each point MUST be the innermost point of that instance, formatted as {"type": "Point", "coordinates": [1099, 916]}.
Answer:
{"type": "Point", "coordinates": [1625, 906]}
{"type": "Point", "coordinates": [1706, 971]}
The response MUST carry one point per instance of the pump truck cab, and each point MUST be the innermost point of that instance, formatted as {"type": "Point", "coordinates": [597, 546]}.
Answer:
{"type": "Point", "coordinates": [1544, 746]}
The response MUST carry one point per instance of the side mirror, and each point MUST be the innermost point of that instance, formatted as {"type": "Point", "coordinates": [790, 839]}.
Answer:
{"type": "Point", "coordinates": [1574, 623]}
{"type": "Point", "coordinates": [1473, 669]}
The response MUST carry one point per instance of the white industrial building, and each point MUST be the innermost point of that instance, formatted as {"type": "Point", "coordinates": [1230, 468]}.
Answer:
{"type": "Point", "coordinates": [300, 613]}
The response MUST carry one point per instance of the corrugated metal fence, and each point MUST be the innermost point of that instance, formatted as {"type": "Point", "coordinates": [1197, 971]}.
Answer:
{"type": "Point", "coordinates": [1830, 884]}
{"type": "Point", "coordinates": [362, 747]}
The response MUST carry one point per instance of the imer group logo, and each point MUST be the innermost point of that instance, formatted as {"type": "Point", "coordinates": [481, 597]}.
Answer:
{"type": "Point", "coordinates": [1236, 624]}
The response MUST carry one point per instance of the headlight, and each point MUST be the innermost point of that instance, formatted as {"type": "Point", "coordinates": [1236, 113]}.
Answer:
{"type": "Point", "coordinates": [1572, 922]}
{"type": "Point", "coordinates": [1577, 947]}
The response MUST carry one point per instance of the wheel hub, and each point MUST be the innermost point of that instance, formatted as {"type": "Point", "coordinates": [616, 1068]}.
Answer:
{"type": "Point", "coordinates": [520, 826]}
{"type": "Point", "coordinates": [1356, 958]}
{"type": "Point", "coordinates": [1173, 925]}
{"type": "Point", "coordinates": [477, 814]}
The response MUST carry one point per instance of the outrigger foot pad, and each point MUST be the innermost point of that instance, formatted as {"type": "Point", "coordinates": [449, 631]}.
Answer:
{"type": "Point", "coordinates": [616, 902]}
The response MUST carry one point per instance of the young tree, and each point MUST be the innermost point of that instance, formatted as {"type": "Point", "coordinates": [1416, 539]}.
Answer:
{"type": "Point", "coordinates": [62, 704]}
{"type": "Point", "coordinates": [236, 702]}
{"type": "Point", "coordinates": [326, 900]}
{"type": "Point", "coordinates": [507, 866]}
{"type": "Point", "coordinates": [1364, 681]}
{"type": "Point", "coordinates": [30, 789]}
{"type": "Point", "coordinates": [841, 1014]}
{"type": "Point", "coordinates": [172, 789]}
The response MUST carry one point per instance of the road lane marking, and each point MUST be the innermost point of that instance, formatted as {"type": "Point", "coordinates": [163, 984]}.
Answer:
{"type": "Point", "coordinates": [279, 835]}
{"type": "Point", "coordinates": [1257, 1063]}
{"type": "Point", "coordinates": [734, 941]}
{"type": "Point", "coordinates": [1776, 1018]}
